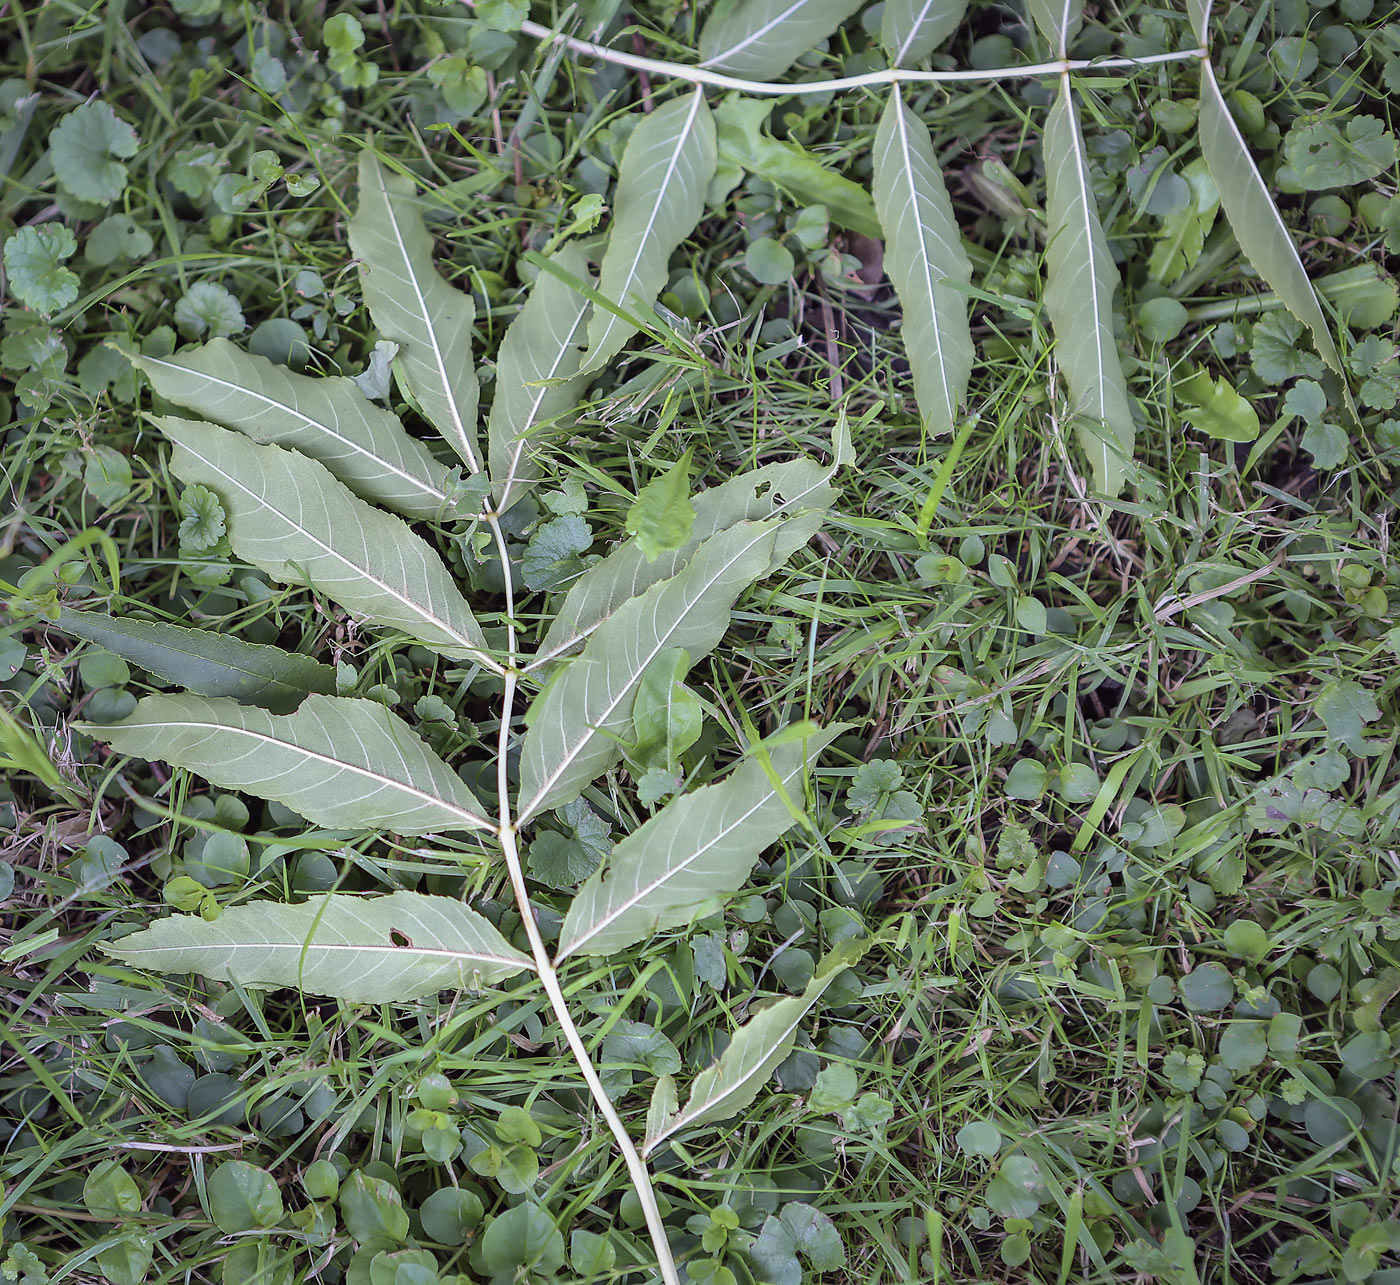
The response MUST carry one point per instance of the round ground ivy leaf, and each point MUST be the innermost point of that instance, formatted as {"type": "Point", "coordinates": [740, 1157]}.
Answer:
{"type": "Point", "coordinates": [207, 308]}
{"type": "Point", "coordinates": [110, 1192]}
{"type": "Point", "coordinates": [1323, 155]}
{"type": "Point", "coordinates": [87, 148]}
{"type": "Point", "coordinates": [243, 1197]}
{"type": "Point", "coordinates": [34, 266]}
{"type": "Point", "coordinates": [118, 236]}
{"type": "Point", "coordinates": [1207, 988]}
{"type": "Point", "coordinates": [1244, 1045]}
{"type": "Point", "coordinates": [769, 262]}
{"type": "Point", "coordinates": [979, 1138]}
{"type": "Point", "coordinates": [522, 1237]}
{"type": "Point", "coordinates": [127, 1261]}
{"type": "Point", "coordinates": [450, 1214]}
{"type": "Point", "coordinates": [372, 1209]}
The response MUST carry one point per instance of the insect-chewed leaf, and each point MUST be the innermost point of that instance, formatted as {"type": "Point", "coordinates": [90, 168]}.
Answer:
{"type": "Point", "coordinates": [1080, 281]}
{"type": "Point", "coordinates": [912, 29]}
{"type": "Point", "coordinates": [542, 343]}
{"type": "Point", "coordinates": [365, 950]}
{"type": "Point", "coordinates": [692, 856]}
{"type": "Point", "coordinates": [327, 418]}
{"type": "Point", "coordinates": [666, 169]}
{"type": "Point", "coordinates": [924, 252]}
{"type": "Point", "coordinates": [576, 723]}
{"type": "Point", "coordinates": [763, 38]}
{"type": "Point", "coordinates": [1255, 219]}
{"type": "Point", "coordinates": [290, 517]}
{"type": "Point", "coordinates": [795, 487]}
{"type": "Point", "coordinates": [412, 305]}
{"type": "Point", "coordinates": [727, 1087]}
{"type": "Point", "coordinates": [205, 662]}
{"type": "Point", "coordinates": [1059, 21]}
{"type": "Point", "coordinates": [343, 763]}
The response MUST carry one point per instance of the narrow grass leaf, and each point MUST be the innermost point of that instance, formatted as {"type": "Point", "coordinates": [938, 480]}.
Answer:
{"type": "Point", "coordinates": [692, 856]}
{"type": "Point", "coordinates": [290, 517]}
{"type": "Point", "coordinates": [924, 252]}
{"type": "Point", "coordinates": [1255, 219]}
{"type": "Point", "coordinates": [732, 1083]}
{"type": "Point", "coordinates": [343, 763]}
{"type": "Point", "coordinates": [204, 661]}
{"type": "Point", "coordinates": [1059, 22]}
{"type": "Point", "coordinates": [542, 344]}
{"type": "Point", "coordinates": [760, 39]}
{"type": "Point", "coordinates": [327, 418]}
{"type": "Point", "coordinates": [577, 723]}
{"type": "Point", "coordinates": [364, 950]}
{"type": "Point", "coordinates": [1081, 279]}
{"type": "Point", "coordinates": [912, 29]}
{"type": "Point", "coordinates": [412, 305]}
{"type": "Point", "coordinates": [666, 168]}
{"type": "Point", "coordinates": [801, 486]}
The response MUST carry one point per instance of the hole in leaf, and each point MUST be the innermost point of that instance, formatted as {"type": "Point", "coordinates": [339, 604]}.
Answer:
{"type": "Point", "coordinates": [399, 938]}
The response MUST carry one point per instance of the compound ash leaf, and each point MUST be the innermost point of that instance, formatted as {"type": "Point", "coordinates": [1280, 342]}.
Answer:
{"type": "Point", "coordinates": [34, 258]}
{"type": "Point", "coordinates": [912, 29]}
{"type": "Point", "coordinates": [87, 148]}
{"type": "Point", "coordinates": [290, 517]}
{"type": "Point", "coordinates": [205, 662]}
{"type": "Point", "coordinates": [727, 1087]}
{"type": "Point", "coordinates": [761, 39]}
{"type": "Point", "coordinates": [414, 306]}
{"type": "Point", "coordinates": [666, 169]}
{"type": "Point", "coordinates": [365, 950]}
{"type": "Point", "coordinates": [340, 762]}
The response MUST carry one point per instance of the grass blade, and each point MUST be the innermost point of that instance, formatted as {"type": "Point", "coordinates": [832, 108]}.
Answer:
{"type": "Point", "coordinates": [326, 418]}
{"type": "Point", "coordinates": [342, 763]}
{"type": "Point", "coordinates": [666, 168]}
{"type": "Point", "coordinates": [1081, 279]}
{"type": "Point", "coordinates": [691, 857]}
{"type": "Point", "coordinates": [924, 250]}
{"type": "Point", "coordinates": [542, 343]}
{"type": "Point", "coordinates": [364, 950]}
{"type": "Point", "coordinates": [205, 662]}
{"type": "Point", "coordinates": [912, 29]}
{"type": "Point", "coordinates": [760, 39]}
{"type": "Point", "coordinates": [290, 517]}
{"type": "Point", "coordinates": [412, 305]}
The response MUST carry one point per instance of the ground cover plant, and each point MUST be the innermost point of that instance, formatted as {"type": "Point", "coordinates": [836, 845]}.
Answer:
{"type": "Point", "coordinates": [744, 643]}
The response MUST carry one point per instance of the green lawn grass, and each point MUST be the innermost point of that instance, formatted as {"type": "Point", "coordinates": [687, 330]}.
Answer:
{"type": "Point", "coordinates": [1117, 802]}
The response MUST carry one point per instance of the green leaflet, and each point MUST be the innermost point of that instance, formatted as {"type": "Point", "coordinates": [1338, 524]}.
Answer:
{"type": "Point", "coordinates": [924, 250]}
{"type": "Point", "coordinates": [692, 856]}
{"type": "Point", "coordinates": [1200, 19]}
{"type": "Point", "coordinates": [365, 950]}
{"type": "Point", "coordinates": [727, 1087]}
{"type": "Point", "coordinates": [577, 722]}
{"type": "Point", "coordinates": [761, 39]}
{"type": "Point", "coordinates": [290, 517]}
{"type": "Point", "coordinates": [1059, 22]}
{"type": "Point", "coordinates": [744, 146]}
{"type": "Point", "coordinates": [1255, 219]}
{"type": "Point", "coordinates": [344, 764]}
{"type": "Point", "coordinates": [542, 343]}
{"type": "Point", "coordinates": [412, 305]}
{"type": "Point", "coordinates": [666, 169]}
{"type": "Point", "coordinates": [1079, 290]}
{"type": "Point", "coordinates": [799, 486]}
{"type": "Point", "coordinates": [205, 662]}
{"type": "Point", "coordinates": [326, 418]}
{"type": "Point", "coordinates": [912, 29]}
